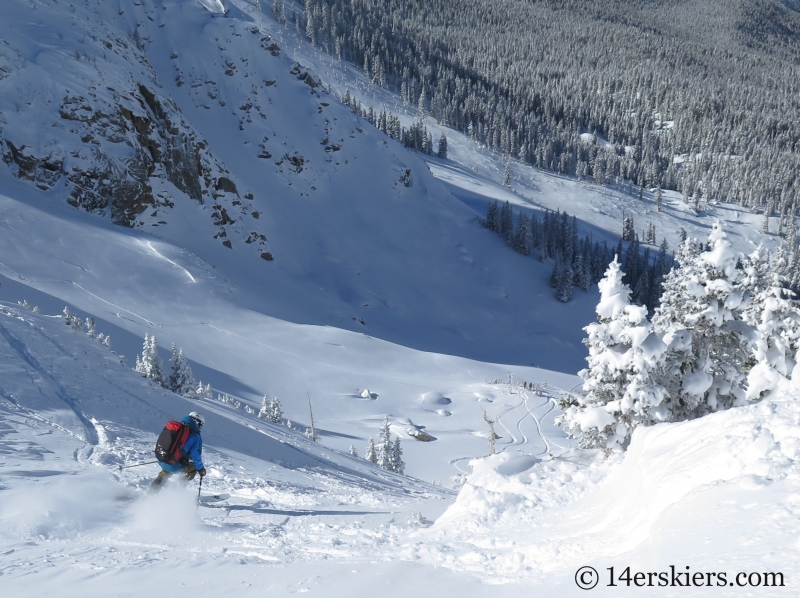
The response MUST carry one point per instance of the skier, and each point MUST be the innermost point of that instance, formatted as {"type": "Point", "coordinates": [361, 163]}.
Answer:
{"type": "Point", "coordinates": [180, 449]}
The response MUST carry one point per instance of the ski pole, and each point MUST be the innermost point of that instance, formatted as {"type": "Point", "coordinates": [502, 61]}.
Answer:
{"type": "Point", "coordinates": [199, 488]}
{"type": "Point", "coordinates": [137, 465]}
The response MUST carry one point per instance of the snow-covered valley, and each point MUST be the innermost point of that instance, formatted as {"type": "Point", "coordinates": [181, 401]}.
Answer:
{"type": "Point", "coordinates": [270, 233]}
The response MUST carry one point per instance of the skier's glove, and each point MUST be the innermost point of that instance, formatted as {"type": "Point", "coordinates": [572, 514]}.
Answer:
{"type": "Point", "coordinates": [202, 472]}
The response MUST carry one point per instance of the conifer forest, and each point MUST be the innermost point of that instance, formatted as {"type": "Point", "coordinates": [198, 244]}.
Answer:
{"type": "Point", "coordinates": [696, 97]}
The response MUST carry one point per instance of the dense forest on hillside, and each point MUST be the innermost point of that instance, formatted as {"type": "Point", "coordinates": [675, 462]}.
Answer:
{"type": "Point", "coordinates": [700, 96]}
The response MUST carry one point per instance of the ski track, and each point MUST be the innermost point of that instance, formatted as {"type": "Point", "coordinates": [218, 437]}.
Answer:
{"type": "Point", "coordinates": [163, 257]}
{"type": "Point", "coordinates": [19, 346]}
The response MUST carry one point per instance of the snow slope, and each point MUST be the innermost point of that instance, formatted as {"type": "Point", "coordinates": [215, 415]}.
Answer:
{"type": "Point", "coordinates": [350, 242]}
{"type": "Point", "coordinates": [71, 413]}
{"type": "Point", "coordinates": [133, 284]}
{"type": "Point", "coordinates": [716, 495]}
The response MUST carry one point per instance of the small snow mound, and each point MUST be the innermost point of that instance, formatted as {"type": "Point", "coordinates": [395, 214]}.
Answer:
{"type": "Point", "coordinates": [506, 464]}
{"type": "Point", "coordinates": [435, 398]}
{"type": "Point", "coordinates": [366, 394]}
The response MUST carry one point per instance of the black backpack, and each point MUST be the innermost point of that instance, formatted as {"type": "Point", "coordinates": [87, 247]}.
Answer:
{"type": "Point", "coordinates": [169, 446]}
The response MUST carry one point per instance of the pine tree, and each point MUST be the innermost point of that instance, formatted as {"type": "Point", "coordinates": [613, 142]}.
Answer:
{"type": "Point", "coordinates": [659, 201]}
{"type": "Point", "coordinates": [507, 222]}
{"type": "Point", "coordinates": [352, 452]}
{"type": "Point", "coordinates": [755, 278]}
{"type": "Point", "coordinates": [181, 380]}
{"type": "Point", "coordinates": [775, 350]}
{"type": "Point", "coordinates": [442, 151]}
{"type": "Point", "coordinates": [492, 216]}
{"type": "Point", "coordinates": [385, 445]}
{"type": "Point", "coordinates": [371, 454]}
{"type": "Point", "coordinates": [71, 319]}
{"type": "Point", "coordinates": [522, 236]}
{"type": "Point", "coordinates": [628, 228]}
{"type": "Point", "coordinates": [149, 364]}
{"type": "Point", "coordinates": [581, 170]}
{"type": "Point", "coordinates": [650, 237]}
{"type": "Point", "coordinates": [558, 272]}
{"type": "Point", "coordinates": [700, 318]}
{"type": "Point", "coordinates": [265, 411]}
{"type": "Point", "coordinates": [205, 393]}
{"type": "Point", "coordinates": [278, 11]}
{"type": "Point", "coordinates": [396, 463]}
{"type": "Point", "coordinates": [564, 290]}
{"type": "Point", "coordinates": [276, 414]}
{"type": "Point", "coordinates": [619, 390]}
{"type": "Point", "coordinates": [507, 176]}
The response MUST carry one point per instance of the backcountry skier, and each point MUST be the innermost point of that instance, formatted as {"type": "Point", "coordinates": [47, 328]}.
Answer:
{"type": "Point", "coordinates": [179, 448]}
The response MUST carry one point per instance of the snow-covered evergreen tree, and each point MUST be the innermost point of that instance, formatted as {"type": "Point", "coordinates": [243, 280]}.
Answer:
{"type": "Point", "coordinates": [396, 463]}
{"type": "Point", "coordinates": [442, 150]}
{"type": "Point", "coordinates": [778, 340]}
{"type": "Point", "coordinates": [385, 445]}
{"type": "Point", "coordinates": [71, 319]}
{"type": "Point", "coordinates": [203, 392]}
{"type": "Point", "coordinates": [371, 454]}
{"type": "Point", "coordinates": [271, 410]}
{"type": "Point", "coordinates": [181, 380]}
{"type": "Point", "coordinates": [628, 228]}
{"type": "Point", "coordinates": [492, 221]}
{"type": "Point", "coordinates": [565, 283]}
{"type": "Point", "coordinates": [620, 391]}
{"type": "Point", "coordinates": [523, 241]}
{"type": "Point", "coordinates": [506, 222]}
{"type": "Point", "coordinates": [265, 411]}
{"type": "Point", "coordinates": [149, 364]}
{"type": "Point", "coordinates": [701, 320]}
{"type": "Point", "coordinates": [278, 11]}
{"type": "Point", "coordinates": [353, 452]}
{"type": "Point", "coordinates": [276, 413]}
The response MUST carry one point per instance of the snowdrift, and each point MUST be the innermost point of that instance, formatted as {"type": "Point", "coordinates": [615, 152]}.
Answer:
{"type": "Point", "coordinates": [519, 518]}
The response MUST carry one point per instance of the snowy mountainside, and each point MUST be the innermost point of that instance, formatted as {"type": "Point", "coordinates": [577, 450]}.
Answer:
{"type": "Point", "coordinates": [133, 285]}
{"type": "Point", "coordinates": [62, 378]}
{"type": "Point", "coordinates": [349, 242]}
{"type": "Point", "coordinates": [219, 113]}
{"type": "Point", "coordinates": [475, 174]}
